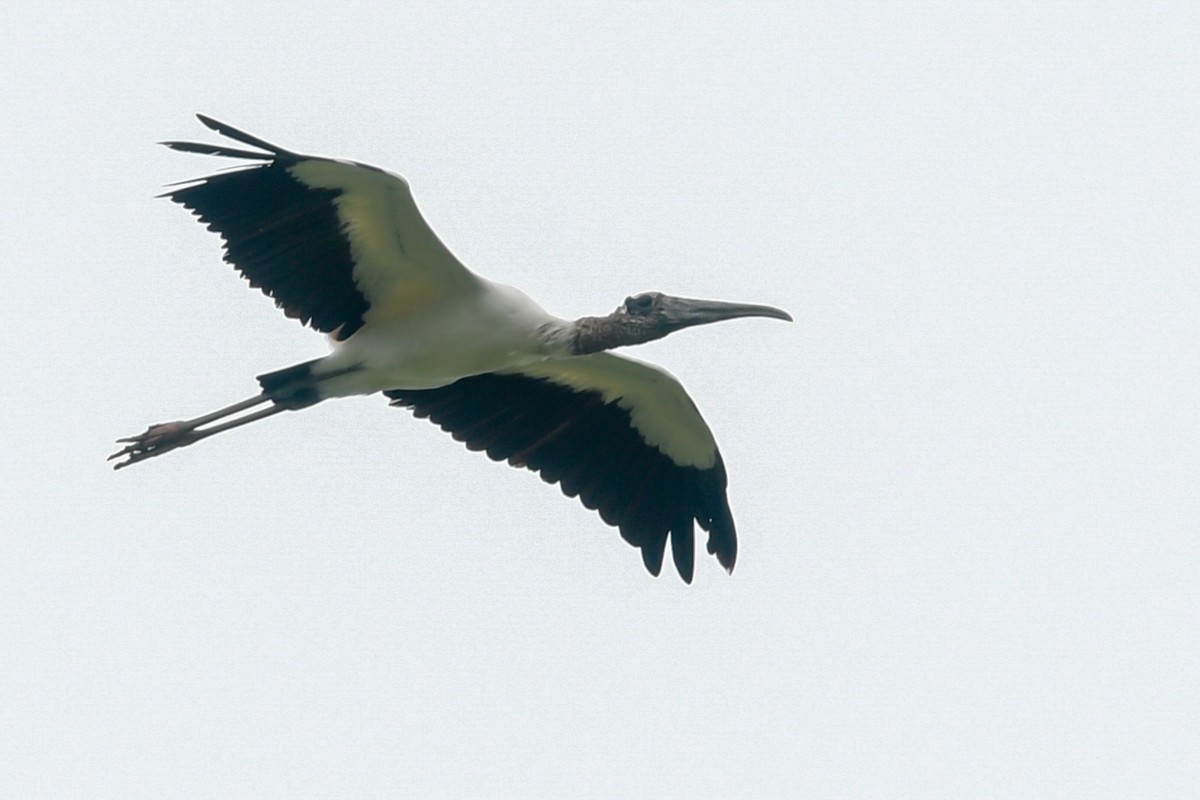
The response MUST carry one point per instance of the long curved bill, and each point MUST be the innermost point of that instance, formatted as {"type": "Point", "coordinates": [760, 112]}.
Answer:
{"type": "Point", "coordinates": [684, 312]}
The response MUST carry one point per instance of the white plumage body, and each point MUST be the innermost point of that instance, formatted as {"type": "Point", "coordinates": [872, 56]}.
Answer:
{"type": "Point", "coordinates": [489, 328]}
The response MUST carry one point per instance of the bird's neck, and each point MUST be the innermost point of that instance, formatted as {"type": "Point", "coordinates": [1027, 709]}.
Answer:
{"type": "Point", "coordinates": [594, 334]}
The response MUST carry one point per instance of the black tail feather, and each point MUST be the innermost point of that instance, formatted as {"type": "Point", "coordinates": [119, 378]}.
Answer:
{"type": "Point", "coordinates": [293, 387]}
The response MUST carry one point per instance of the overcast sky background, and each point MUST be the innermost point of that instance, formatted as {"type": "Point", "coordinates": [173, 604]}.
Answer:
{"type": "Point", "coordinates": [966, 479]}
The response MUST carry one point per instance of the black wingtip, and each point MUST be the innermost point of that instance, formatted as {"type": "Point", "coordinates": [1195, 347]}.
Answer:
{"type": "Point", "coordinates": [723, 545]}
{"type": "Point", "coordinates": [683, 549]}
{"type": "Point", "coordinates": [653, 549]}
{"type": "Point", "coordinates": [241, 136]}
{"type": "Point", "coordinates": [217, 150]}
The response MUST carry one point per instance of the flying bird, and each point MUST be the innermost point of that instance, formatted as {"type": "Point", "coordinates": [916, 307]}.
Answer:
{"type": "Point", "coordinates": [342, 247]}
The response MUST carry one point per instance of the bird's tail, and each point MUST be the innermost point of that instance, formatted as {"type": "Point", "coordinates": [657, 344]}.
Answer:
{"type": "Point", "coordinates": [292, 387]}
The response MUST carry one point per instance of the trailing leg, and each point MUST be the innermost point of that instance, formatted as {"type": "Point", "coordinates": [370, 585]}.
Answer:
{"type": "Point", "coordinates": [166, 436]}
{"type": "Point", "coordinates": [287, 389]}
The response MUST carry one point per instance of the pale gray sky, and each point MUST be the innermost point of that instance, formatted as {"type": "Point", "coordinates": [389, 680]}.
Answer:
{"type": "Point", "coordinates": [965, 479]}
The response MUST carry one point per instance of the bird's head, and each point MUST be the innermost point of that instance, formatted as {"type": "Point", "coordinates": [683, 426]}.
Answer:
{"type": "Point", "coordinates": [652, 315]}
{"type": "Point", "coordinates": [663, 313]}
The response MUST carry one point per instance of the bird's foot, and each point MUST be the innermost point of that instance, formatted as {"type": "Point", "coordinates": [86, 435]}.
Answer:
{"type": "Point", "coordinates": [154, 441]}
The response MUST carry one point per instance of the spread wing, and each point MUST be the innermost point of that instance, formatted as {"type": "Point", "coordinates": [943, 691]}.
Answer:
{"type": "Point", "coordinates": [336, 244]}
{"type": "Point", "coordinates": [621, 435]}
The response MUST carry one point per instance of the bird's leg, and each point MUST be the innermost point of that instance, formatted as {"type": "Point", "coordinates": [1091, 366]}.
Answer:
{"type": "Point", "coordinates": [166, 436]}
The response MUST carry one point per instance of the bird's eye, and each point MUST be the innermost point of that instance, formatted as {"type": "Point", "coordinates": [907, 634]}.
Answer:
{"type": "Point", "coordinates": [640, 304]}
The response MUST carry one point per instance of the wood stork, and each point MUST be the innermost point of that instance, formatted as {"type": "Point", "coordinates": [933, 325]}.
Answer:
{"type": "Point", "coordinates": [342, 247]}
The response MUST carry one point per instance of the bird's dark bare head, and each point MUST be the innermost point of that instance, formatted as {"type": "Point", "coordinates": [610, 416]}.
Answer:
{"type": "Point", "coordinates": [652, 315]}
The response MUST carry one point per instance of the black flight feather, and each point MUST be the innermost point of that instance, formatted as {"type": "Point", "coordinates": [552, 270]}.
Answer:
{"type": "Point", "coordinates": [587, 446]}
